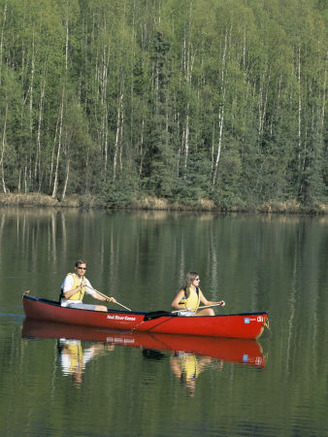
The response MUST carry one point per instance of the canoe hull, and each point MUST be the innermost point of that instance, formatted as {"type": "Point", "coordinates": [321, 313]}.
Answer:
{"type": "Point", "coordinates": [248, 325]}
{"type": "Point", "coordinates": [235, 350]}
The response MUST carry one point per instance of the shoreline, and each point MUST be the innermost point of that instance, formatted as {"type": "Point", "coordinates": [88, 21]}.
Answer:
{"type": "Point", "coordinates": [37, 200]}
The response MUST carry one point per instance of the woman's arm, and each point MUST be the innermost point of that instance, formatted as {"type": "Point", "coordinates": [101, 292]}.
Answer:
{"type": "Point", "coordinates": [206, 302]}
{"type": "Point", "coordinates": [176, 301]}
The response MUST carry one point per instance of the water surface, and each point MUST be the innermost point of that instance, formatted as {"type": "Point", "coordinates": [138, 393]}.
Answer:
{"type": "Point", "coordinates": [110, 384]}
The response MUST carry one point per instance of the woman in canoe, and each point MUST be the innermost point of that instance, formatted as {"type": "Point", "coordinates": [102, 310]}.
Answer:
{"type": "Point", "coordinates": [190, 297]}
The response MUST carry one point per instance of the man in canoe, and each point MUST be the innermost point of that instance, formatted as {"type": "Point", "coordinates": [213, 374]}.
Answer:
{"type": "Point", "coordinates": [75, 286]}
{"type": "Point", "coordinates": [190, 297]}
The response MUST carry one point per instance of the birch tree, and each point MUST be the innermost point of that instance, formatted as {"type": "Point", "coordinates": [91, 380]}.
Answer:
{"type": "Point", "coordinates": [3, 146]}
{"type": "Point", "coordinates": [221, 113]}
{"type": "Point", "coordinates": [4, 17]}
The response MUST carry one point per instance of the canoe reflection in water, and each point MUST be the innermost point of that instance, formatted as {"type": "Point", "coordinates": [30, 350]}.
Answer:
{"type": "Point", "coordinates": [189, 352]}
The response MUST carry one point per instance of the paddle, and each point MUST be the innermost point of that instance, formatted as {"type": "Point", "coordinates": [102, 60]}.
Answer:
{"type": "Point", "coordinates": [107, 297]}
{"type": "Point", "coordinates": [155, 314]}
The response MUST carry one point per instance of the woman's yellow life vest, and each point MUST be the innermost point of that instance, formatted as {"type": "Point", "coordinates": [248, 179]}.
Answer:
{"type": "Point", "coordinates": [79, 295]}
{"type": "Point", "coordinates": [193, 300]}
{"type": "Point", "coordinates": [189, 367]}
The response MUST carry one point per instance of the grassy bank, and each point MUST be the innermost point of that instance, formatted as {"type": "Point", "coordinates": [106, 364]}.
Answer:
{"type": "Point", "coordinates": [33, 200]}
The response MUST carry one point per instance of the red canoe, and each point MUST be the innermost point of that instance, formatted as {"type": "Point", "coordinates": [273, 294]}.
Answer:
{"type": "Point", "coordinates": [248, 325]}
{"type": "Point", "coordinates": [228, 349]}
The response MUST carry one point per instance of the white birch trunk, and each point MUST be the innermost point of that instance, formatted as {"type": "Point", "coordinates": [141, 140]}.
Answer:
{"type": "Point", "coordinates": [25, 177]}
{"type": "Point", "coordinates": [66, 45]}
{"type": "Point", "coordinates": [141, 145]}
{"type": "Point", "coordinates": [324, 97]}
{"type": "Point", "coordinates": [1, 38]}
{"type": "Point", "coordinates": [121, 138]}
{"type": "Point", "coordinates": [4, 189]}
{"type": "Point", "coordinates": [61, 115]}
{"type": "Point", "coordinates": [32, 85]}
{"type": "Point", "coordinates": [263, 100]}
{"type": "Point", "coordinates": [52, 165]}
{"type": "Point", "coordinates": [181, 148]}
{"type": "Point", "coordinates": [104, 86]}
{"type": "Point", "coordinates": [213, 146]}
{"type": "Point", "coordinates": [19, 186]}
{"type": "Point", "coordinates": [66, 178]}
{"type": "Point", "coordinates": [186, 138]}
{"type": "Point", "coordinates": [105, 127]}
{"type": "Point", "coordinates": [117, 138]}
{"type": "Point", "coordinates": [221, 111]}
{"type": "Point", "coordinates": [218, 154]}
{"type": "Point", "coordinates": [189, 61]}
{"type": "Point", "coordinates": [299, 112]}
{"type": "Point", "coordinates": [37, 169]}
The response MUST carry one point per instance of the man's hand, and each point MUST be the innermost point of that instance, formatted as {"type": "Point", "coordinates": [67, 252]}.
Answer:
{"type": "Point", "coordinates": [111, 299]}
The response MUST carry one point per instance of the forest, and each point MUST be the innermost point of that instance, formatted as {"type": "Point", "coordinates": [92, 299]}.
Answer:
{"type": "Point", "coordinates": [188, 101]}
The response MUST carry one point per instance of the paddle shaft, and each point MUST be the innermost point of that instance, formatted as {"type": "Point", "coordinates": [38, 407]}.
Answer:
{"type": "Point", "coordinates": [199, 308]}
{"type": "Point", "coordinates": [156, 314]}
{"type": "Point", "coordinates": [107, 297]}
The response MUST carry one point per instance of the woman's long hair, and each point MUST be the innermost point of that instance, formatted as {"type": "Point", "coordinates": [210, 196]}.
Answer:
{"type": "Point", "coordinates": [190, 276]}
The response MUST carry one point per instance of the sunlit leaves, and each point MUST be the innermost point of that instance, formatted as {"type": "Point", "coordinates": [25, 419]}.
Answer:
{"type": "Point", "coordinates": [155, 89]}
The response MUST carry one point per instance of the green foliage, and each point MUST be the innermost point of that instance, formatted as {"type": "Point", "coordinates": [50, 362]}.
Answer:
{"type": "Point", "coordinates": [119, 99]}
{"type": "Point", "coordinates": [119, 193]}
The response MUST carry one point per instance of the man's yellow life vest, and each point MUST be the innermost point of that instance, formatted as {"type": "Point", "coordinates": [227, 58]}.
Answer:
{"type": "Point", "coordinates": [79, 295]}
{"type": "Point", "coordinates": [76, 357]}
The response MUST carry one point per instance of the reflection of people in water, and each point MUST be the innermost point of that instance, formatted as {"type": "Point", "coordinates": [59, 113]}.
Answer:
{"type": "Point", "coordinates": [187, 367]}
{"type": "Point", "coordinates": [74, 358]}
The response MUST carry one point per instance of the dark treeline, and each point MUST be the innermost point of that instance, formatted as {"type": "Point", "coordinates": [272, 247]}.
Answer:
{"type": "Point", "coordinates": [178, 99]}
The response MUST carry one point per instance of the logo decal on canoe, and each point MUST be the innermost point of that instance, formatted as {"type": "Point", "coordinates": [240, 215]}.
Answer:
{"type": "Point", "coordinates": [120, 340]}
{"type": "Point", "coordinates": [248, 320]}
{"type": "Point", "coordinates": [245, 358]}
{"type": "Point", "coordinates": [121, 318]}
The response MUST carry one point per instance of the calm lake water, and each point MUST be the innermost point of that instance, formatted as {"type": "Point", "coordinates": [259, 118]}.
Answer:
{"type": "Point", "coordinates": [112, 384]}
